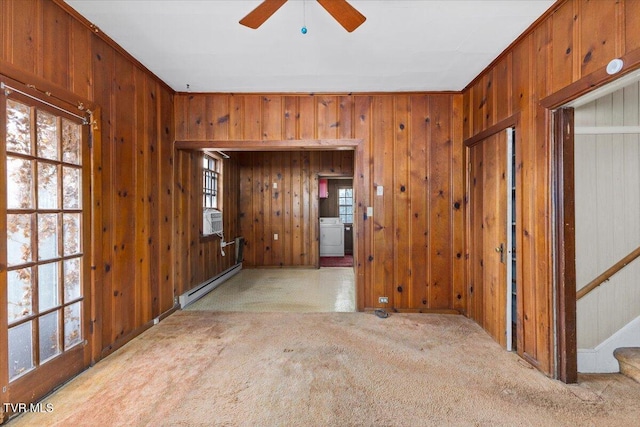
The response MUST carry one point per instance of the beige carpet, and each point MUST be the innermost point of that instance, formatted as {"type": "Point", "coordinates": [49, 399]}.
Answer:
{"type": "Point", "coordinates": [328, 369]}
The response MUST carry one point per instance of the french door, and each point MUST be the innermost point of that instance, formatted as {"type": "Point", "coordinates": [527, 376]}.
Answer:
{"type": "Point", "coordinates": [44, 222]}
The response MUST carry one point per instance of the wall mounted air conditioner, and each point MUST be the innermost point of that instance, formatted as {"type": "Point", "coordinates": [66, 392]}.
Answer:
{"type": "Point", "coordinates": [212, 221]}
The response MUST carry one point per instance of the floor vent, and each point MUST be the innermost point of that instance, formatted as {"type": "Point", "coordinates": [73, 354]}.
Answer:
{"type": "Point", "coordinates": [206, 287]}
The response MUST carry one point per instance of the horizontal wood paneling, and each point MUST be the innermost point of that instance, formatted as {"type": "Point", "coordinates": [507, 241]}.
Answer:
{"type": "Point", "coordinates": [409, 249]}
{"type": "Point", "coordinates": [133, 187]}
{"type": "Point", "coordinates": [577, 38]}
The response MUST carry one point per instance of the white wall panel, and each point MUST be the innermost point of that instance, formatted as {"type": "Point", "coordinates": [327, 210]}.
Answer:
{"type": "Point", "coordinates": [607, 174]}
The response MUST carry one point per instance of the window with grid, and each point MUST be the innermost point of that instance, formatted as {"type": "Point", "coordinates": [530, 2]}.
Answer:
{"type": "Point", "coordinates": [345, 204]}
{"type": "Point", "coordinates": [211, 179]}
{"type": "Point", "coordinates": [44, 229]}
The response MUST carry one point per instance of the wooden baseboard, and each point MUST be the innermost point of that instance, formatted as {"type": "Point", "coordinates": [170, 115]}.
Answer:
{"type": "Point", "coordinates": [414, 310]}
{"type": "Point", "coordinates": [133, 334]}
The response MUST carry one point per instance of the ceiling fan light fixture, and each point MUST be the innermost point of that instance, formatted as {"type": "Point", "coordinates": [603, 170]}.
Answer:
{"type": "Point", "coordinates": [343, 12]}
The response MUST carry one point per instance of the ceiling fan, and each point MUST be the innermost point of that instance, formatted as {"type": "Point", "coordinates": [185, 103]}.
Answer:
{"type": "Point", "coordinates": [343, 12]}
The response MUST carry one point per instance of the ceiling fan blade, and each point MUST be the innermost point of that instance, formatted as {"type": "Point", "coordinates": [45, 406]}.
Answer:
{"type": "Point", "coordinates": [344, 13]}
{"type": "Point", "coordinates": [260, 14]}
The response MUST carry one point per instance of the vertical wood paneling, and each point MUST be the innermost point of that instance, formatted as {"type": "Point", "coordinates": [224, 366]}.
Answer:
{"type": "Point", "coordinates": [123, 240]}
{"type": "Point", "coordinates": [80, 60]}
{"type": "Point", "coordinates": [440, 203]}
{"type": "Point", "coordinates": [578, 38]}
{"type": "Point", "coordinates": [410, 154]}
{"type": "Point", "coordinates": [420, 135]}
{"type": "Point", "coordinates": [563, 46]}
{"type": "Point", "coordinates": [55, 35]}
{"type": "Point", "coordinates": [458, 204]}
{"type": "Point", "coordinates": [42, 39]}
{"type": "Point", "coordinates": [631, 24]}
{"type": "Point", "coordinates": [103, 75]}
{"type": "Point", "coordinates": [141, 233]}
{"type": "Point", "coordinates": [382, 175]}
{"type": "Point", "coordinates": [502, 87]}
{"type": "Point", "coordinates": [403, 292]}
{"type": "Point", "coordinates": [363, 244]}
{"type": "Point", "coordinates": [598, 34]}
{"type": "Point", "coordinates": [266, 210]}
{"type": "Point", "coordinates": [24, 38]}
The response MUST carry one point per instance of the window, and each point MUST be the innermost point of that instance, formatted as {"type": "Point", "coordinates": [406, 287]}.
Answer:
{"type": "Point", "coordinates": [345, 204]}
{"type": "Point", "coordinates": [211, 181]}
{"type": "Point", "coordinates": [44, 234]}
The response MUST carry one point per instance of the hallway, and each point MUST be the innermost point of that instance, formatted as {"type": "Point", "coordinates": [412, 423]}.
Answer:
{"type": "Point", "coordinates": [283, 290]}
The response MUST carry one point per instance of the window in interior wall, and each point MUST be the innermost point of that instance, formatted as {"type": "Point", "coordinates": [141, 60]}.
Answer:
{"type": "Point", "coordinates": [345, 204]}
{"type": "Point", "coordinates": [211, 174]}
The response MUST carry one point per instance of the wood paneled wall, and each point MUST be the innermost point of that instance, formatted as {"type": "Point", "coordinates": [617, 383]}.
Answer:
{"type": "Point", "coordinates": [133, 184]}
{"type": "Point", "coordinates": [577, 39]}
{"type": "Point", "coordinates": [412, 249]}
{"type": "Point", "coordinates": [200, 257]}
{"type": "Point", "coordinates": [291, 210]}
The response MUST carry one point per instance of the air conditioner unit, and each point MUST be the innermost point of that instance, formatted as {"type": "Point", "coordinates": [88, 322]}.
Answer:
{"type": "Point", "coordinates": [212, 221]}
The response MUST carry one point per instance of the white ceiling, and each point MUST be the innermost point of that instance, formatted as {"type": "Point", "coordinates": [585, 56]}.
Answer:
{"type": "Point", "coordinates": [404, 45]}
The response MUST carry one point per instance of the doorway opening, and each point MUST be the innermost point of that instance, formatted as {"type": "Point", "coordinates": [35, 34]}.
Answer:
{"type": "Point", "coordinates": [597, 138]}
{"type": "Point", "coordinates": [336, 213]}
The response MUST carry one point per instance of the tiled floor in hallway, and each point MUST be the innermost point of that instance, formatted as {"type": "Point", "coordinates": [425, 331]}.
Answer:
{"type": "Point", "coordinates": [284, 290]}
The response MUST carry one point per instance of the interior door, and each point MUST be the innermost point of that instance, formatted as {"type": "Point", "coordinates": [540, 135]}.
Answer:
{"type": "Point", "coordinates": [44, 242]}
{"type": "Point", "coordinates": [489, 246]}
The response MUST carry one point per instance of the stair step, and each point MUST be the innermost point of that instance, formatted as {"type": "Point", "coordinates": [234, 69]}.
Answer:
{"type": "Point", "coordinates": [629, 360]}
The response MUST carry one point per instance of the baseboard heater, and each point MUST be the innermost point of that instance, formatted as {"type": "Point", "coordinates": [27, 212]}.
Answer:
{"type": "Point", "coordinates": [206, 287]}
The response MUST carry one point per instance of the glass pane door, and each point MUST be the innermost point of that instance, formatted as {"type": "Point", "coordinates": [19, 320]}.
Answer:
{"type": "Point", "coordinates": [44, 237]}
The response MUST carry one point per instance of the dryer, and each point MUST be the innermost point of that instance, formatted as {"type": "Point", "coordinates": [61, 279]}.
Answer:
{"type": "Point", "coordinates": [331, 236]}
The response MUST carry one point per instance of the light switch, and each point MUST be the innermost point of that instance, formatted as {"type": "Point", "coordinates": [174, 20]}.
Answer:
{"type": "Point", "coordinates": [275, 185]}
{"type": "Point", "coordinates": [380, 190]}
{"type": "Point", "coordinates": [369, 211]}
{"type": "Point", "coordinates": [275, 236]}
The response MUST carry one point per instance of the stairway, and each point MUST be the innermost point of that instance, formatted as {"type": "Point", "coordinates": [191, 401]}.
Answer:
{"type": "Point", "coordinates": [629, 360]}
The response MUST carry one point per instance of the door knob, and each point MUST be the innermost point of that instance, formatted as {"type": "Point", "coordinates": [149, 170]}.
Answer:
{"type": "Point", "coordinates": [500, 250]}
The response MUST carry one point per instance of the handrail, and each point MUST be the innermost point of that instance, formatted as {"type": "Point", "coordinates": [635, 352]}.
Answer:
{"type": "Point", "coordinates": [607, 274]}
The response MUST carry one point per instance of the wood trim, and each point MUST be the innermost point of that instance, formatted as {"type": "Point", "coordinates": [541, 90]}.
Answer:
{"type": "Point", "coordinates": [590, 82]}
{"type": "Point", "coordinates": [269, 145]}
{"type": "Point", "coordinates": [4, 331]}
{"type": "Point", "coordinates": [44, 90]}
{"type": "Point", "coordinates": [416, 310]}
{"type": "Point", "coordinates": [95, 329]}
{"type": "Point", "coordinates": [565, 269]}
{"type": "Point", "coordinates": [321, 94]}
{"type": "Point", "coordinates": [510, 121]}
{"type": "Point", "coordinates": [126, 339]}
{"type": "Point", "coordinates": [615, 268]}
{"type": "Point", "coordinates": [40, 381]}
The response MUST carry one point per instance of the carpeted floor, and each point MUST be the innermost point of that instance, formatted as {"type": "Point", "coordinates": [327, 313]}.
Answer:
{"type": "Point", "coordinates": [328, 369]}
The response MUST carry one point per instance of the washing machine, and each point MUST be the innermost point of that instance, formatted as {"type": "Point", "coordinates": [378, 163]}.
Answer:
{"type": "Point", "coordinates": [331, 236]}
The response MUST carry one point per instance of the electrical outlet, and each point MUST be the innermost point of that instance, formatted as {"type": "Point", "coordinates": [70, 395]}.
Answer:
{"type": "Point", "coordinates": [383, 300]}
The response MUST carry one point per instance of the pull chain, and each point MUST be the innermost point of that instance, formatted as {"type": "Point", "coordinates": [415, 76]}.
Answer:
{"type": "Point", "coordinates": [303, 30]}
